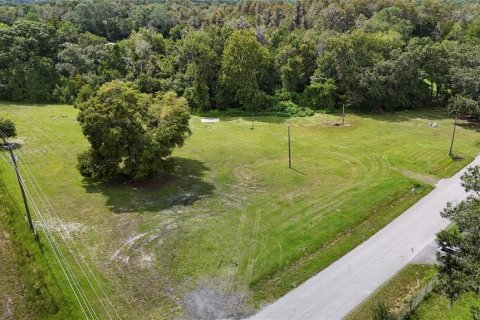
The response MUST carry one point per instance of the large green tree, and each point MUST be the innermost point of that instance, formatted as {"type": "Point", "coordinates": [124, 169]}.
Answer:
{"type": "Point", "coordinates": [244, 61]}
{"type": "Point", "coordinates": [201, 68]}
{"type": "Point", "coordinates": [296, 62]}
{"type": "Point", "coordinates": [27, 67]}
{"type": "Point", "coordinates": [359, 64]}
{"type": "Point", "coordinates": [459, 259]}
{"type": "Point", "coordinates": [131, 134]}
{"type": "Point", "coordinates": [464, 82]}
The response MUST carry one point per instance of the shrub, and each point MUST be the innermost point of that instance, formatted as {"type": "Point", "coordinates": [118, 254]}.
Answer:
{"type": "Point", "coordinates": [84, 164]}
{"type": "Point", "coordinates": [288, 109]}
{"type": "Point", "coordinates": [86, 91]}
{"type": "Point", "coordinates": [305, 112]}
{"type": "Point", "coordinates": [235, 112]}
{"type": "Point", "coordinates": [215, 113]}
{"type": "Point", "coordinates": [320, 95]}
{"type": "Point", "coordinates": [7, 128]}
{"type": "Point", "coordinates": [263, 101]}
{"type": "Point", "coordinates": [382, 312]}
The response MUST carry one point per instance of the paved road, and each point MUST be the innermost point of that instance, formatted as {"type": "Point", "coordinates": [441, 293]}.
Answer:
{"type": "Point", "coordinates": [338, 289]}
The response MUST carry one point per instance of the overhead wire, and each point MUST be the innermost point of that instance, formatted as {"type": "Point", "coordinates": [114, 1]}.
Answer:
{"type": "Point", "coordinates": [51, 210]}
{"type": "Point", "coordinates": [51, 241]}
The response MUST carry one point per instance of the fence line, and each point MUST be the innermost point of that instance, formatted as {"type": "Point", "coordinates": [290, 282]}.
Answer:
{"type": "Point", "coordinates": [417, 298]}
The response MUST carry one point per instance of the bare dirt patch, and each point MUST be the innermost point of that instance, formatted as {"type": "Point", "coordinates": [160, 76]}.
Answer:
{"type": "Point", "coordinates": [67, 230]}
{"type": "Point", "coordinates": [133, 249]}
{"type": "Point", "coordinates": [209, 304]}
{"type": "Point", "coordinates": [424, 178]}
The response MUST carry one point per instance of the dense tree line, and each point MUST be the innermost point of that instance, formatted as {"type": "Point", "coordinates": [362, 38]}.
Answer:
{"type": "Point", "coordinates": [286, 57]}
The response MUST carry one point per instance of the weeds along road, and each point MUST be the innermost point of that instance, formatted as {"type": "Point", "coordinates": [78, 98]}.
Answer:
{"type": "Point", "coordinates": [338, 289]}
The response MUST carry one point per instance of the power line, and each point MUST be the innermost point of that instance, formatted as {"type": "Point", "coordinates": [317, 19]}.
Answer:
{"type": "Point", "coordinates": [67, 269]}
{"type": "Point", "coordinates": [51, 210]}
{"type": "Point", "coordinates": [19, 178]}
{"type": "Point", "coordinates": [54, 247]}
{"type": "Point", "coordinates": [77, 284]}
{"type": "Point", "coordinates": [66, 238]}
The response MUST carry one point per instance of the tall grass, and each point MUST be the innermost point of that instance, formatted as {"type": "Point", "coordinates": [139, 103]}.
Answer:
{"type": "Point", "coordinates": [45, 294]}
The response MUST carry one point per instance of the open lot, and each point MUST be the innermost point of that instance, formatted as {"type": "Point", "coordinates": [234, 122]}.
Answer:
{"type": "Point", "coordinates": [232, 227]}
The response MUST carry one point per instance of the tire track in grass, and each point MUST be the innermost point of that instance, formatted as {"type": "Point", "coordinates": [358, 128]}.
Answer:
{"type": "Point", "coordinates": [330, 202]}
{"type": "Point", "coordinates": [340, 190]}
{"type": "Point", "coordinates": [375, 166]}
{"type": "Point", "coordinates": [249, 245]}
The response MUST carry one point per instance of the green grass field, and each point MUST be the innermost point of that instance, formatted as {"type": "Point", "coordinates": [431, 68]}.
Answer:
{"type": "Point", "coordinates": [12, 298]}
{"type": "Point", "coordinates": [232, 225]}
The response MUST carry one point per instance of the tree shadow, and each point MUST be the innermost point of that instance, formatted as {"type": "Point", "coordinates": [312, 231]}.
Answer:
{"type": "Point", "coordinates": [34, 104]}
{"type": "Point", "coordinates": [183, 186]}
{"type": "Point", "coordinates": [6, 147]}
{"type": "Point", "coordinates": [429, 114]}
{"type": "Point", "coordinates": [469, 124]}
{"type": "Point", "coordinates": [266, 119]}
{"type": "Point", "coordinates": [297, 171]}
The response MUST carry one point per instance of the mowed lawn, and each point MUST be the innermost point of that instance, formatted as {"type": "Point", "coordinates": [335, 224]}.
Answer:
{"type": "Point", "coordinates": [233, 226]}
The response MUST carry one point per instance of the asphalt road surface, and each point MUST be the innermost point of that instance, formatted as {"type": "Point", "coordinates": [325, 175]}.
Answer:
{"type": "Point", "coordinates": [338, 289]}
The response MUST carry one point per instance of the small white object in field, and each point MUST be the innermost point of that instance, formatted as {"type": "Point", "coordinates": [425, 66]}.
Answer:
{"type": "Point", "coordinates": [207, 120]}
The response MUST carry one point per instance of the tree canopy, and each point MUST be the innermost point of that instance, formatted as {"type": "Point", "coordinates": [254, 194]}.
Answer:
{"type": "Point", "coordinates": [131, 134]}
{"type": "Point", "coordinates": [248, 55]}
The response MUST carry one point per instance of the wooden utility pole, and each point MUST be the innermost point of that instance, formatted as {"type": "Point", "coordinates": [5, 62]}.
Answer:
{"type": "Point", "coordinates": [343, 114]}
{"type": "Point", "coordinates": [453, 135]}
{"type": "Point", "coordinates": [289, 150]}
{"type": "Point", "coordinates": [253, 119]}
{"type": "Point", "coordinates": [20, 183]}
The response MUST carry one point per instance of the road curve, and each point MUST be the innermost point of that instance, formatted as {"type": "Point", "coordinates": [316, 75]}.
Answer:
{"type": "Point", "coordinates": [338, 289]}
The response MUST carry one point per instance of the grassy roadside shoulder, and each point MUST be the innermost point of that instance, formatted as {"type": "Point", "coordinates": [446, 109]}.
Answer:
{"type": "Point", "coordinates": [436, 306]}
{"type": "Point", "coordinates": [276, 285]}
{"type": "Point", "coordinates": [12, 304]}
{"type": "Point", "coordinates": [42, 293]}
{"type": "Point", "coordinates": [395, 293]}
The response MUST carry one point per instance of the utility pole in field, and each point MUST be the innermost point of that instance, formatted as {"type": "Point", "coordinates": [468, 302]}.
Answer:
{"type": "Point", "coordinates": [289, 150]}
{"type": "Point", "coordinates": [453, 134]}
{"type": "Point", "coordinates": [253, 119]}
{"type": "Point", "coordinates": [343, 114]}
{"type": "Point", "coordinates": [20, 183]}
